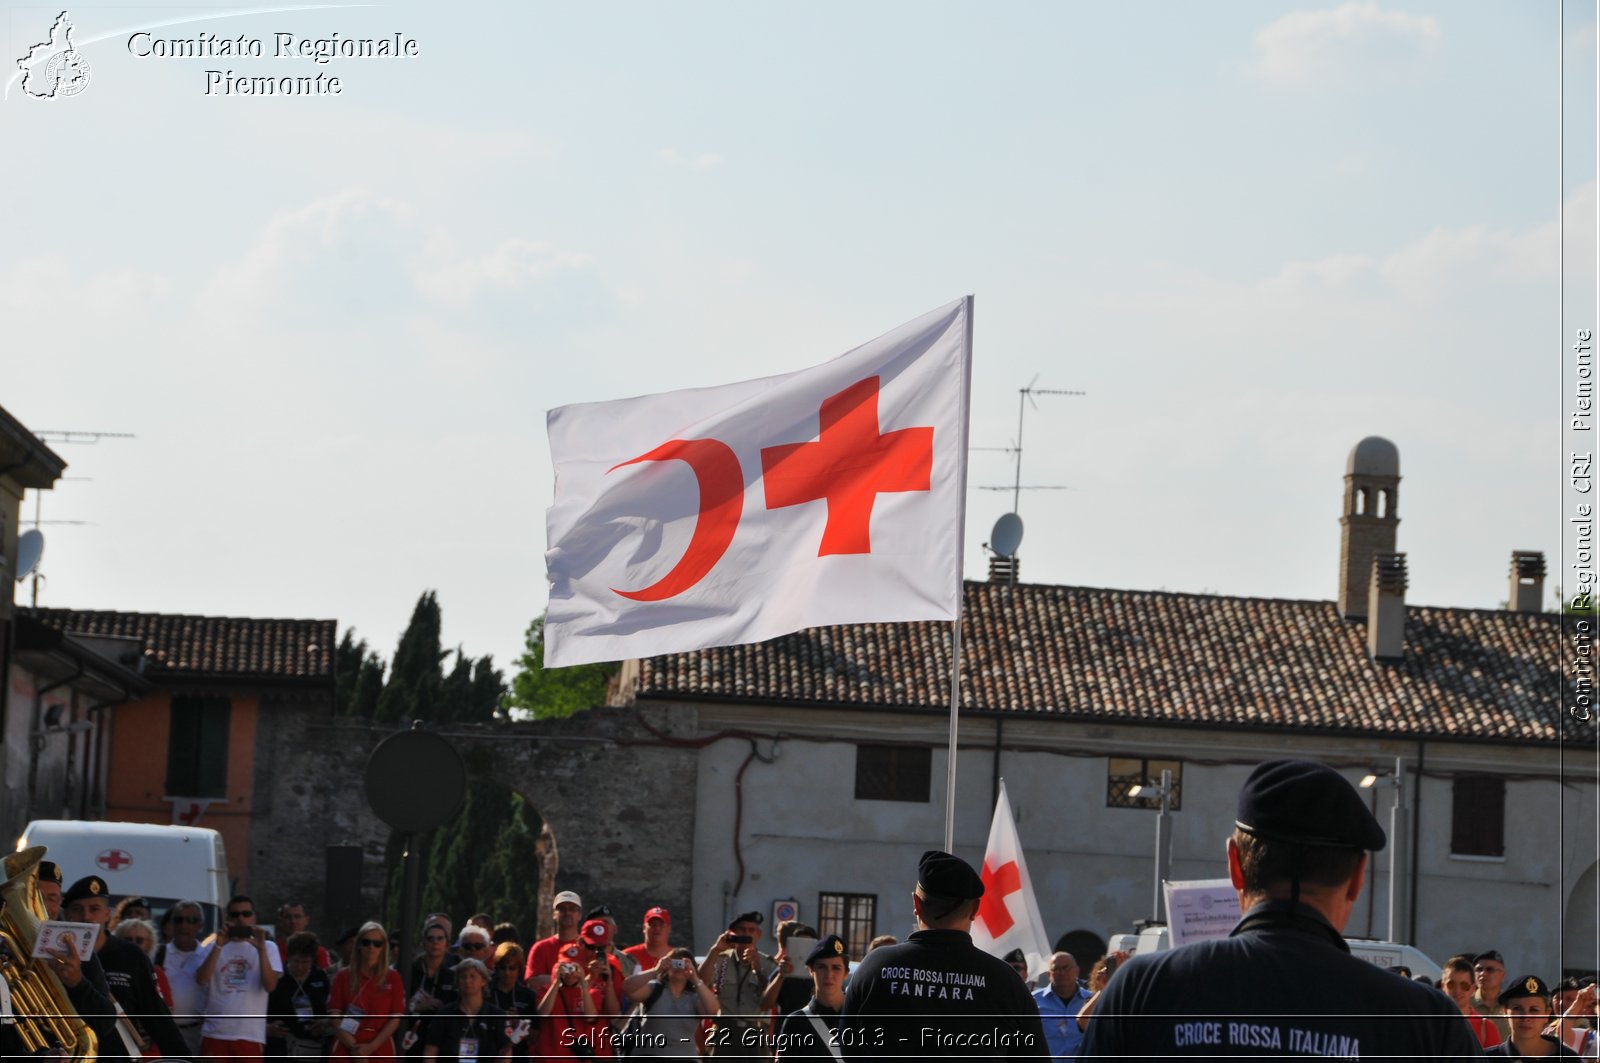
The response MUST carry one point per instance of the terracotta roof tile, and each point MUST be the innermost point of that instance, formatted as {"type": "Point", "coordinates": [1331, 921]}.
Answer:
{"type": "Point", "coordinates": [192, 646]}
{"type": "Point", "coordinates": [1153, 656]}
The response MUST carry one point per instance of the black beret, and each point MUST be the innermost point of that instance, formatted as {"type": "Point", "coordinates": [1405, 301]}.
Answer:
{"type": "Point", "coordinates": [49, 871]}
{"type": "Point", "coordinates": [1490, 955]}
{"type": "Point", "coordinates": [599, 911]}
{"type": "Point", "coordinates": [1015, 956]}
{"type": "Point", "coordinates": [1301, 802]}
{"type": "Point", "coordinates": [747, 917]}
{"type": "Point", "coordinates": [1529, 986]}
{"type": "Point", "coordinates": [88, 886]}
{"type": "Point", "coordinates": [827, 948]}
{"type": "Point", "coordinates": [943, 875]}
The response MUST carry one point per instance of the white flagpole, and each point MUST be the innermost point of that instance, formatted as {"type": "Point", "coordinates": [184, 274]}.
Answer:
{"type": "Point", "coordinates": [955, 625]}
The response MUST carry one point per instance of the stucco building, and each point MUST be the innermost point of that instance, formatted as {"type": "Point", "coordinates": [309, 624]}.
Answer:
{"type": "Point", "coordinates": [830, 780]}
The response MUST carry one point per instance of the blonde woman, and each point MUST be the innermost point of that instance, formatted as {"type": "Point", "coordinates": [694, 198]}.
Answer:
{"type": "Point", "coordinates": [368, 999]}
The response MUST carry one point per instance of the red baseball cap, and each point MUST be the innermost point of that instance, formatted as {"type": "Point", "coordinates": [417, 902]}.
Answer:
{"type": "Point", "coordinates": [658, 912]}
{"type": "Point", "coordinates": [595, 932]}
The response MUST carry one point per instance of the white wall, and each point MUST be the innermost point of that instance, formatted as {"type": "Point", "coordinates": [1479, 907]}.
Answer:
{"type": "Point", "coordinates": [802, 830]}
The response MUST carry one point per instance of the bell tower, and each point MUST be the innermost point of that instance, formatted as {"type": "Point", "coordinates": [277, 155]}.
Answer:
{"type": "Point", "coordinates": [1370, 519]}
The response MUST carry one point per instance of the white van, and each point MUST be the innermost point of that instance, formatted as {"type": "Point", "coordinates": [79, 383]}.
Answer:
{"type": "Point", "coordinates": [163, 864]}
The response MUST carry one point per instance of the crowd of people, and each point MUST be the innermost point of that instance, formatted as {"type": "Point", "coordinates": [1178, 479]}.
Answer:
{"type": "Point", "coordinates": [1298, 858]}
{"type": "Point", "coordinates": [156, 989]}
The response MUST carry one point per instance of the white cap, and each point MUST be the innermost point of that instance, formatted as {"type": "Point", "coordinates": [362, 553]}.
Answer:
{"type": "Point", "coordinates": [566, 897]}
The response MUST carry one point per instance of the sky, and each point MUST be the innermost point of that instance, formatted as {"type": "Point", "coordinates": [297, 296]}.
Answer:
{"type": "Point", "coordinates": [1252, 233]}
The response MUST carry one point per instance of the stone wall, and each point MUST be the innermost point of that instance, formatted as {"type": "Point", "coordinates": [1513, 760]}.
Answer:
{"type": "Point", "coordinates": [597, 781]}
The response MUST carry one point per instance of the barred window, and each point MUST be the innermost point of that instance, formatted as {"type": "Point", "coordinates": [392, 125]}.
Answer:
{"type": "Point", "coordinates": [893, 773]}
{"type": "Point", "coordinates": [853, 916]}
{"type": "Point", "coordinates": [1124, 773]}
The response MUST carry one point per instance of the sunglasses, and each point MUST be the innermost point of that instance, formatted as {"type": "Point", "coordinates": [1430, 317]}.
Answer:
{"type": "Point", "coordinates": [371, 943]}
{"type": "Point", "coordinates": [246, 914]}
{"type": "Point", "coordinates": [187, 920]}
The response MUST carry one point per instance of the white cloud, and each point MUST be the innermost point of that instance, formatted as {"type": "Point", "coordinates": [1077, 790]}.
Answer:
{"type": "Point", "coordinates": [673, 157]}
{"type": "Point", "coordinates": [294, 243]}
{"type": "Point", "coordinates": [1448, 260]}
{"type": "Point", "coordinates": [1309, 46]}
{"type": "Point", "coordinates": [450, 277]}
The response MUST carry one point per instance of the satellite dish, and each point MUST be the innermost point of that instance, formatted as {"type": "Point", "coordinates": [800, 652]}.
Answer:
{"type": "Point", "coordinates": [1007, 535]}
{"type": "Point", "coordinates": [30, 548]}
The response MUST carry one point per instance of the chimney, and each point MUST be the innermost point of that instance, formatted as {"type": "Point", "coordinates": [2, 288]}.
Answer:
{"type": "Point", "coordinates": [1386, 607]}
{"type": "Point", "coordinates": [1003, 569]}
{"type": "Point", "coordinates": [1370, 519]}
{"type": "Point", "coordinates": [1527, 581]}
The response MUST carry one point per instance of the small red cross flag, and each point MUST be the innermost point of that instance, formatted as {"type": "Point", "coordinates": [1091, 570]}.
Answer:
{"type": "Point", "coordinates": [733, 514]}
{"type": "Point", "coordinates": [1008, 916]}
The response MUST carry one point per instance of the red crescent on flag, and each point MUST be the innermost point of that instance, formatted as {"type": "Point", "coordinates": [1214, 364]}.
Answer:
{"type": "Point", "coordinates": [716, 468]}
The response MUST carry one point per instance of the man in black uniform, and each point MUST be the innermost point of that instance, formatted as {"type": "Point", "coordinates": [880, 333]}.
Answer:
{"type": "Point", "coordinates": [938, 995]}
{"type": "Point", "coordinates": [809, 1032]}
{"type": "Point", "coordinates": [128, 971]}
{"type": "Point", "coordinates": [1284, 982]}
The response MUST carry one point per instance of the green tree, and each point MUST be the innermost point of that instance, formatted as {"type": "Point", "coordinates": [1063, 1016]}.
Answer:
{"type": "Point", "coordinates": [486, 857]}
{"type": "Point", "coordinates": [413, 689]}
{"type": "Point", "coordinates": [556, 692]}
{"type": "Point", "coordinates": [357, 677]}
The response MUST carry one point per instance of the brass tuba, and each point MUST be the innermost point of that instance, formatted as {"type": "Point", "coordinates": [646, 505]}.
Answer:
{"type": "Point", "coordinates": [44, 1016]}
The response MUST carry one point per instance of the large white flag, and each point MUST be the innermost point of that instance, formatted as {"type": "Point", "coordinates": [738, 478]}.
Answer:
{"type": "Point", "coordinates": [1008, 915]}
{"type": "Point", "coordinates": [716, 516]}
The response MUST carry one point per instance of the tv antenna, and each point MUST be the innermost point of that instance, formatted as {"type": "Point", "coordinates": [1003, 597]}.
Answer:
{"type": "Point", "coordinates": [1007, 533]}
{"type": "Point", "coordinates": [56, 435]}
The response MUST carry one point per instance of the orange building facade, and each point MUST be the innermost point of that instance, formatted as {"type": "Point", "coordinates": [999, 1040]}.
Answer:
{"type": "Point", "coordinates": [185, 751]}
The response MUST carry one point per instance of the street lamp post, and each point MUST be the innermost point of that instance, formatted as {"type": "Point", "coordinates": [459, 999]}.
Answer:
{"type": "Point", "coordinates": [1399, 853]}
{"type": "Point", "coordinates": [1163, 847]}
{"type": "Point", "coordinates": [1163, 840]}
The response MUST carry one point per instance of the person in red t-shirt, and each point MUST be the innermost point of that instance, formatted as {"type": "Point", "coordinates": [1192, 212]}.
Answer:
{"type": "Point", "coordinates": [657, 929]}
{"type": "Point", "coordinates": [577, 1004]}
{"type": "Point", "coordinates": [1458, 983]}
{"type": "Point", "coordinates": [542, 956]}
{"type": "Point", "coordinates": [368, 999]}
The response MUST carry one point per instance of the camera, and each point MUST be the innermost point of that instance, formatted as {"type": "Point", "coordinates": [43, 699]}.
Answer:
{"type": "Point", "coordinates": [240, 933]}
{"type": "Point", "coordinates": [678, 965]}
{"type": "Point", "coordinates": [567, 969]}
{"type": "Point", "coordinates": [740, 939]}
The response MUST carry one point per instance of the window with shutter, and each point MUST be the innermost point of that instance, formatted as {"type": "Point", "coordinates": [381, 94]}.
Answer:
{"type": "Point", "coordinates": [1478, 816]}
{"type": "Point", "coordinates": [197, 747]}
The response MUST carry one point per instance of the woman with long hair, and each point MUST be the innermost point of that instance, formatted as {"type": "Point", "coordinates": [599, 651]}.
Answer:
{"type": "Point", "coordinates": [368, 999]}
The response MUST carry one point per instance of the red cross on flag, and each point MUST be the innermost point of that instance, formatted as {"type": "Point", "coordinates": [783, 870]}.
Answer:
{"type": "Point", "coordinates": [733, 514]}
{"type": "Point", "coordinates": [1008, 916]}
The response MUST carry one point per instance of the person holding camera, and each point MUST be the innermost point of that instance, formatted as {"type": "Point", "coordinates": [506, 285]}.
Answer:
{"type": "Point", "coordinates": [571, 1026]}
{"type": "Point", "coordinates": [239, 969]}
{"type": "Point", "coordinates": [672, 1002]}
{"type": "Point", "coordinates": [738, 973]}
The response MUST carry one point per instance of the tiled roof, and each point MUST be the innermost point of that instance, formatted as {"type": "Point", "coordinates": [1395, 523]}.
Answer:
{"type": "Point", "coordinates": [1158, 657]}
{"type": "Point", "coordinates": [204, 646]}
